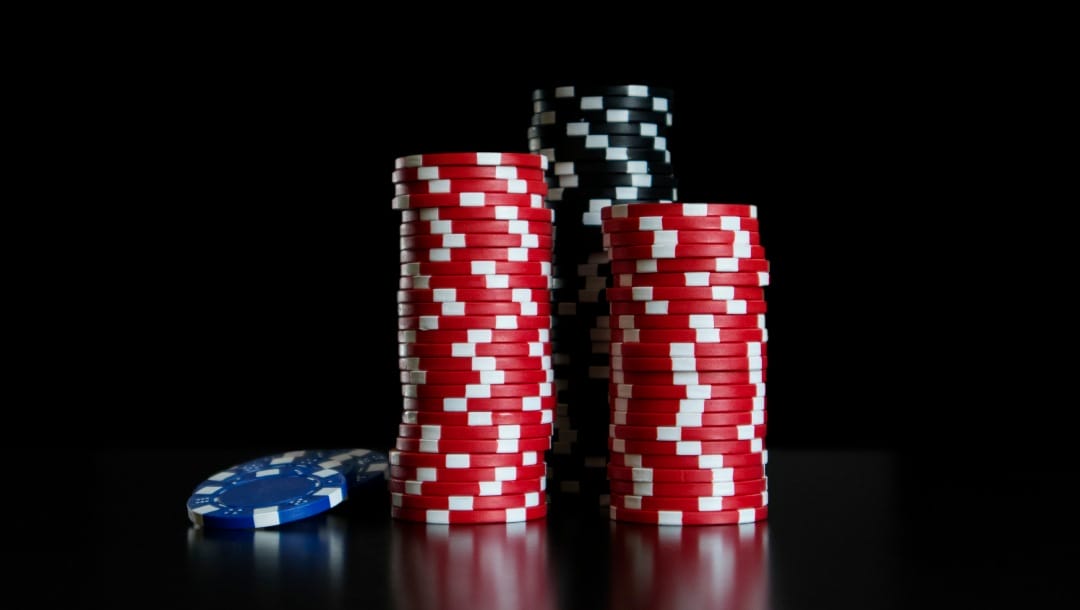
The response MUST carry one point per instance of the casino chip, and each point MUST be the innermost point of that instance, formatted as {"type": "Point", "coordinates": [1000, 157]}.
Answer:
{"type": "Point", "coordinates": [282, 488]}
{"type": "Point", "coordinates": [687, 359]}
{"type": "Point", "coordinates": [475, 350]}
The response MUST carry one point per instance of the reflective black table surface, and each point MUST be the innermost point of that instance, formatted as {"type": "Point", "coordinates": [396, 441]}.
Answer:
{"type": "Point", "coordinates": [846, 530]}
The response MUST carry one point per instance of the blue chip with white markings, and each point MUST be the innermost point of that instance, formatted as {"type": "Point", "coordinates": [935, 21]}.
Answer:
{"type": "Point", "coordinates": [256, 495]}
{"type": "Point", "coordinates": [363, 466]}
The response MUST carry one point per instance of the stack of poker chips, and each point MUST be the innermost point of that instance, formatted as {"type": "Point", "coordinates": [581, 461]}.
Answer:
{"type": "Point", "coordinates": [605, 145]}
{"type": "Point", "coordinates": [688, 357]}
{"type": "Point", "coordinates": [474, 320]}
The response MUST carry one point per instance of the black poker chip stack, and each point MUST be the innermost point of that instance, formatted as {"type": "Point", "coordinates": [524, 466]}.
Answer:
{"type": "Point", "coordinates": [605, 145]}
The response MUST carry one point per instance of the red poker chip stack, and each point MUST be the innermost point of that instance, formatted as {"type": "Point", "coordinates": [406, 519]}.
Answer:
{"type": "Point", "coordinates": [474, 347]}
{"type": "Point", "coordinates": [688, 357]}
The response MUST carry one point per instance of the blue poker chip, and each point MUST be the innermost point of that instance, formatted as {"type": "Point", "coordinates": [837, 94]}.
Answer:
{"type": "Point", "coordinates": [363, 466]}
{"type": "Point", "coordinates": [252, 496]}
{"type": "Point", "coordinates": [360, 466]}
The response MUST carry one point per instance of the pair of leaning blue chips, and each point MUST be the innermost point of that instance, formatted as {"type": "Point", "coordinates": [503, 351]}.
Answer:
{"type": "Point", "coordinates": [282, 488]}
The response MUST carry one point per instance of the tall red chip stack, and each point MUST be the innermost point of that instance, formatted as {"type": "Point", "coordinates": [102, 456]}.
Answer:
{"type": "Point", "coordinates": [474, 340]}
{"type": "Point", "coordinates": [688, 358]}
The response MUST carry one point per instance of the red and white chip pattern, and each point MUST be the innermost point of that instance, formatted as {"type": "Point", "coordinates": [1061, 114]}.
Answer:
{"type": "Point", "coordinates": [475, 350]}
{"type": "Point", "coordinates": [687, 359]}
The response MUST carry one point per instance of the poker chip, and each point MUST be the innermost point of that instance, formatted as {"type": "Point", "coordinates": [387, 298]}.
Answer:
{"type": "Point", "coordinates": [477, 240]}
{"type": "Point", "coordinates": [509, 254]}
{"type": "Point", "coordinates": [487, 282]}
{"type": "Point", "coordinates": [464, 185]}
{"type": "Point", "coordinates": [468, 200]}
{"type": "Point", "coordinates": [609, 154]}
{"type": "Point", "coordinates": [572, 168]}
{"type": "Point", "coordinates": [467, 488]}
{"type": "Point", "coordinates": [474, 363]}
{"type": "Point", "coordinates": [682, 503]}
{"type": "Point", "coordinates": [690, 279]}
{"type": "Point", "coordinates": [457, 350]}
{"type": "Point", "coordinates": [689, 349]}
{"type": "Point", "coordinates": [613, 115]}
{"type": "Point", "coordinates": [477, 390]}
{"type": "Point", "coordinates": [687, 293]}
{"type": "Point", "coordinates": [680, 209]}
{"type": "Point", "coordinates": [466, 461]}
{"type": "Point", "coordinates": [687, 405]}
{"type": "Point", "coordinates": [687, 251]}
{"type": "Point", "coordinates": [611, 180]}
{"type": "Point", "coordinates": [682, 462]}
{"type": "Point", "coordinates": [699, 392]}
{"type": "Point", "coordinates": [697, 224]}
{"type": "Point", "coordinates": [483, 418]}
{"type": "Point", "coordinates": [690, 363]}
{"type": "Point", "coordinates": [688, 307]}
{"type": "Point", "coordinates": [475, 335]}
{"type": "Point", "coordinates": [484, 213]}
{"type": "Point", "coordinates": [457, 378]}
{"type": "Point", "coordinates": [683, 476]}
{"type": "Point", "coordinates": [688, 334]}
{"type": "Point", "coordinates": [452, 172]}
{"type": "Point", "coordinates": [622, 193]}
{"type": "Point", "coordinates": [456, 504]}
{"type": "Point", "coordinates": [475, 446]}
{"type": "Point", "coordinates": [436, 432]}
{"type": "Point", "coordinates": [686, 433]}
{"type": "Point", "coordinates": [475, 227]}
{"type": "Point", "coordinates": [582, 128]}
{"type": "Point", "coordinates": [683, 448]}
{"type": "Point", "coordinates": [471, 158]}
{"type": "Point", "coordinates": [597, 141]}
{"type": "Point", "coordinates": [642, 418]}
{"type": "Point", "coordinates": [647, 238]}
{"type": "Point", "coordinates": [472, 295]}
{"type": "Point", "coordinates": [684, 265]}
{"type": "Point", "coordinates": [688, 322]}
{"type": "Point", "coordinates": [684, 489]}
{"type": "Point", "coordinates": [619, 376]}
{"type": "Point", "coordinates": [463, 405]}
{"type": "Point", "coordinates": [675, 517]}
{"type": "Point", "coordinates": [622, 90]}
{"type": "Point", "coordinates": [244, 499]}
{"type": "Point", "coordinates": [508, 515]}
{"type": "Point", "coordinates": [485, 308]}
{"type": "Point", "coordinates": [602, 102]}
{"type": "Point", "coordinates": [471, 474]}
{"type": "Point", "coordinates": [360, 466]}
{"type": "Point", "coordinates": [502, 322]}
{"type": "Point", "coordinates": [478, 267]}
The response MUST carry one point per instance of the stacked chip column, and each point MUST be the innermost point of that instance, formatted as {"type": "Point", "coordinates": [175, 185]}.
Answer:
{"type": "Point", "coordinates": [688, 356]}
{"type": "Point", "coordinates": [605, 145]}
{"type": "Point", "coordinates": [474, 338]}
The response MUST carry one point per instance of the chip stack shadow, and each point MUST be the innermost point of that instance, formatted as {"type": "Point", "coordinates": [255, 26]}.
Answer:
{"type": "Point", "coordinates": [474, 346]}
{"type": "Point", "coordinates": [605, 145]}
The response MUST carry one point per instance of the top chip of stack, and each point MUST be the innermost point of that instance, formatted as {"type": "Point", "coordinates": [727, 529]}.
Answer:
{"type": "Point", "coordinates": [474, 343]}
